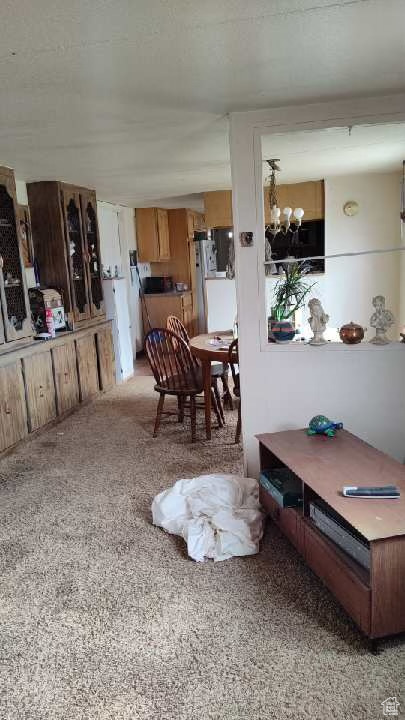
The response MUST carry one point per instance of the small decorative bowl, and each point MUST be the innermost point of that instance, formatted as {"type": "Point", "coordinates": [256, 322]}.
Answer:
{"type": "Point", "coordinates": [352, 333]}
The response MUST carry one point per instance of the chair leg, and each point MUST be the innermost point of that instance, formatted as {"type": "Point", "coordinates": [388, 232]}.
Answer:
{"type": "Point", "coordinates": [218, 401]}
{"type": "Point", "coordinates": [193, 416]}
{"type": "Point", "coordinates": [214, 406]}
{"type": "Point", "coordinates": [226, 395]}
{"type": "Point", "coordinates": [238, 425]}
{"type": "Point", "coordinates": [159, 413]}
{"type": "Point", "coordinates": [180, 404]}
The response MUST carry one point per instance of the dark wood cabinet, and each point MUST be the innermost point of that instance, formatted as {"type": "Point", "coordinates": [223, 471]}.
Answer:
{"type": "Point", "coordinates": [40, 389]}
{"type": "Point", "coordinates": [87, 366]}
{"type": "Point", "coordinates": [66, 380]}
{"type": "Point", "coordinates": [13, 288]}
{"type": "Point", "coordinates": [105, 354]}
{"type": "Point", "coordinates": [67, 248]}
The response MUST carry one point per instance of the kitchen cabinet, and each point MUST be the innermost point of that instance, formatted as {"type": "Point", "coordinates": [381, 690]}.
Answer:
{"type": "Point", "coordinates": [87, 366]}
{"type": "Point", "coordinates": [105, 354]}
{"type": "Point", "coordinates": [308, 195]}
{"type": "Point", "coordinates": [66, 380]}
{"type": "Point", "coordinates": [165, 304]}
{"type": "Point", "coordinates": [40, 389]}
{"type": "Point", "coordinates": [66, 245]}
{"type": "Point", "coordinates": [152, 232]}
{"type": "Point", "coordinates": [13, 413]}
{"type": "Point", "coordinates": [14, 301]}
{"type": "Point", "coordinates": [218, 208]}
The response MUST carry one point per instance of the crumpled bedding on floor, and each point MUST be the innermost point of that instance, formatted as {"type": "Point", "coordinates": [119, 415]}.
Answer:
{"type": "Point", "coordinates": [217, 515]}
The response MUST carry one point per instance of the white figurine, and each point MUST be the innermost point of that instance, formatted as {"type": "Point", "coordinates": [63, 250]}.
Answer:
{"type": "Point", "coordinates": [317, 321]}
{"type": "Point", "coordinates": [381, 320]}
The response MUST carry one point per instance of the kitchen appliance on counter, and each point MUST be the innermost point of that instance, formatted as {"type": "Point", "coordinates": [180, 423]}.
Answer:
{"type": "Point", "coordinates": [157, 284]}
{"type": "Point", "coordinates": [43, 299]}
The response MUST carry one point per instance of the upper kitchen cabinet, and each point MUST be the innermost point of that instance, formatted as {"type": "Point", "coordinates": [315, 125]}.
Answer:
{"type": "Point", "coordinates": [66, 244]}
{"type": "Point", "coordinates": [308, 195]}
{"type": "Point", "coordinates": [14, 302]}
{"type": "Point", "coordinates": [152, 232]}
{"type": "Point", "coordinates": [218, 209]}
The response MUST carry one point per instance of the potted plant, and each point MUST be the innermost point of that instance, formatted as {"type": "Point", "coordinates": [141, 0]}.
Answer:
{"type": "Point", "coordinates": [289, 296]}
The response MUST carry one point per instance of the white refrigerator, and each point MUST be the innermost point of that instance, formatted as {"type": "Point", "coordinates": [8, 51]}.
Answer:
{"type": "Point", "coordinates": [116, 304]}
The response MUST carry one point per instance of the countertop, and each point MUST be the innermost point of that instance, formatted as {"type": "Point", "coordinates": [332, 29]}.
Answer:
{"type": "Point", "coordinates": [170, 292]}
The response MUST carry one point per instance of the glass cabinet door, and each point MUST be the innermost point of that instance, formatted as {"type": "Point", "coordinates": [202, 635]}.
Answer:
{"type": "Point", "coordinates": [76, 254]}
{"type": "Point", "coordinates": [92, 252]}
{"type": "Point", "coordinates": [13, 292]}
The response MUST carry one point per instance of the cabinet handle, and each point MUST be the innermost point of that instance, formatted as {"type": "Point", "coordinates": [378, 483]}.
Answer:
{"type": "Point", "coordinates": [7, 409]}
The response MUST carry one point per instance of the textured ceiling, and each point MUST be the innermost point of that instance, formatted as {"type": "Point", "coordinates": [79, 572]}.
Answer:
{"type": "Point", "coordinates": [131, 96]}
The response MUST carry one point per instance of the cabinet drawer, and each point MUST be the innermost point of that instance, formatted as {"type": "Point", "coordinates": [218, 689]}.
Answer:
{"type": "Point", "coordinates": [339, 575]}
{"type": "Point", "coordinates": [87, 365]}
{"type": "Point", "coordinates": [66, 381]}
{"type": "Point", "coordinates": [40, 389]}
{"type": "Point", "coordinates": [287, 519]}
{"type": "Point", "coordinates": [13, 412]}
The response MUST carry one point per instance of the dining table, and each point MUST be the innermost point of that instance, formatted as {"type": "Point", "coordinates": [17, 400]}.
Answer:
{"type": "Point", "coordinates": [208, 348]}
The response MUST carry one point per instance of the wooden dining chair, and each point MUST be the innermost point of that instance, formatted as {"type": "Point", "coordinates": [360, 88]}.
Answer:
{"type": "Point", "coordinates": [218, 369]}
{"type": "Point", "coordinates": [233, 359]}
{"type": "Point", "coordinates": [176, 374]}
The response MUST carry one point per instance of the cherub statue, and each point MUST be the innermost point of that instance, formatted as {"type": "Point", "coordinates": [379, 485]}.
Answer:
{"type": "Point", "coordinates": [317, 321]}
{"type": "Point", "coordinates": [381, 320]}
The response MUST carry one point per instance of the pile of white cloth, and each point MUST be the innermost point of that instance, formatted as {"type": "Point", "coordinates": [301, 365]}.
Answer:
{"type": "Point", "coordinates": [217, 515]}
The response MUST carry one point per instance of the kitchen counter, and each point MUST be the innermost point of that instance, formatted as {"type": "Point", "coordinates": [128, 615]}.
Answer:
{"type": "Point", "coordinates": [170, 293]}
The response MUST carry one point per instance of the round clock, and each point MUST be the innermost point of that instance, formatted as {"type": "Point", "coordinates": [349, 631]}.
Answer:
{"type": "Point", "coordinates": [351, 208]}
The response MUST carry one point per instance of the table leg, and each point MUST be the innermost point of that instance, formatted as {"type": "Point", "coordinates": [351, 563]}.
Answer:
{"type": "Point", "coordinates": [206, 368]}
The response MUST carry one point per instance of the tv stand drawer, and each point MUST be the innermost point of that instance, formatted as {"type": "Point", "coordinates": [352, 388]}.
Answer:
{"type": "Point", "coordinates": [341, 576]}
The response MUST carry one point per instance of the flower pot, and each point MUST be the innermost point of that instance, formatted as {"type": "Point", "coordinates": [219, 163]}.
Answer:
{"type": "Point", "coordinates": [283, 331]}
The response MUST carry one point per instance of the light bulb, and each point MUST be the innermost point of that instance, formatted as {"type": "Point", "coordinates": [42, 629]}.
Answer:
{"type": "Point", "coordinates": [230, 234]}
{"type": "Point", "coordinates": [298, 213]}
{"type": "Point", "coordinates": [287, 212]}
{"type": "Point", "coordinates": [276, 212]}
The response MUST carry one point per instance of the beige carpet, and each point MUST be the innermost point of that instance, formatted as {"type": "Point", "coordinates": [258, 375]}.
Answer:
{"type": "Point", "coordinates": [103, 616]}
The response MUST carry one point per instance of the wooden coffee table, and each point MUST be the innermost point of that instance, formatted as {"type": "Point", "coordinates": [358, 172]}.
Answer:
{"type": "Point", "coordinates": [374, 598]}
{"type": "Point", "coordinates": [207, 353]}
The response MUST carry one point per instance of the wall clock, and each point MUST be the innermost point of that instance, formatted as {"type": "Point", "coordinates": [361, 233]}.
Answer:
{"type": "Point", "coordinates": [351, 208]}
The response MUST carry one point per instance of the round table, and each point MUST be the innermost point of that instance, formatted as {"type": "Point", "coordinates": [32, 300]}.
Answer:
{"type": "Point", "coordinates": [206, 353]}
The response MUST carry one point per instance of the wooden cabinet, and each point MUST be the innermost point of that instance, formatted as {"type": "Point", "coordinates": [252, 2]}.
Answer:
{"type": "Point", "coordinates": [152, 232]}
{"type": "Point", "coordinates": [105, 354]}
{"type": "Point", "coordinates": [13, 288]}
{"type": "Point", "coordinates": [87, 366]}
{"type": "Point", "coordinates": [13, 414]}
{"type": "Point", "coordinates": [40, 389]}
{"type": "Point", "coordinates": [218, 208]}
{"type": "Point", "coordinates": [308, 195]}
{"type": "Point", "coordinates": [66, 243]}
{"type": "Point", "coordinates": [66, 380]}
{"type": "Point", "coordinates": [161, 306]}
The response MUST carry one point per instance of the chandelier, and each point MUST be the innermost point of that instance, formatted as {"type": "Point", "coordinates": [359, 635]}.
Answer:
{"type": "Point", "coordinates": [276, 224]}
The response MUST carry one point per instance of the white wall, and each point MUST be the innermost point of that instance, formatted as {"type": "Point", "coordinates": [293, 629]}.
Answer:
{"type": "Point", "coordinates": [221, 303]}
{"type": "Point", "coordinates": [363, 386]}
{"type": "Point", "coordinates": [349, 284]}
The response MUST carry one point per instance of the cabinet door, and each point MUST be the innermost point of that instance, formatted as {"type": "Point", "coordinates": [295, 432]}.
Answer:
{"type": "Point", "coordinates": [147, 235]}
{"type": "Point", "coordinates": [92, 253]}
{"type": "Point", "coordinates": [13, 288]}
{"type": "Point", "coordinates": [105, 351]}
{"type": "Point", "coordinates": [13, 413]}
{"type": "Point", "coordinates": [40, 389]}
{"type": "Point", "coordinates": [163, 234]}
{"type": "Point", "coordinates": [87, 366]}
{"type": "Point", "coordinates": [76, 254]}
{"type": "Point", "coordinates": [66, 380]}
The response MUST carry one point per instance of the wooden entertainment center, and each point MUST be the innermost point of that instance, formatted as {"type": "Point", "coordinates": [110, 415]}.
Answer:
{"type": "Point", "coordinates": [375, 599]}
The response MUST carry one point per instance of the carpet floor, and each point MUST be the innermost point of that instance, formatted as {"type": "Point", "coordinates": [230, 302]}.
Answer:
{"type": "Point", "coordinates": [103, 616]}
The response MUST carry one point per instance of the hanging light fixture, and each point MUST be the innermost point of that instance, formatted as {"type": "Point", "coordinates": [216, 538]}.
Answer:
{"type": "Point", "coordinates": [276, 224]}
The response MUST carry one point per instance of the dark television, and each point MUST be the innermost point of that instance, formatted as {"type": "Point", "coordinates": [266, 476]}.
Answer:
{"type": "Point", "coordinates": [306, 241]}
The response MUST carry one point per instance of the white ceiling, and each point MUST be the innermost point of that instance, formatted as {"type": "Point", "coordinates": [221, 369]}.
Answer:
{"type": "Point", "coordinates": [335, 151]}
{"type": "Point", "coordinates": [131, 96]}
